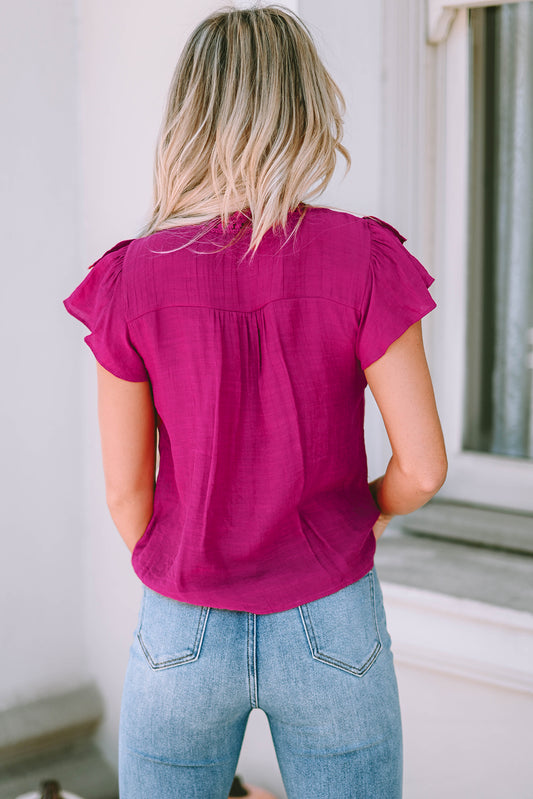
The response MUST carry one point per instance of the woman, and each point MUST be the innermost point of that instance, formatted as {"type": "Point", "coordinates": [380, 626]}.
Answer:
{"type": "Point", "coordinates": [241, 328]}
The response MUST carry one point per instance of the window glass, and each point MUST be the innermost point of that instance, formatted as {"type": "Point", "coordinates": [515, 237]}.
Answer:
{"type": "Point", "coordinates": [499, 397]}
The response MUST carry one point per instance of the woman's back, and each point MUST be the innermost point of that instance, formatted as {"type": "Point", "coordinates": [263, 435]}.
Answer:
{"type": "Point", "coordinates": [256, 366]}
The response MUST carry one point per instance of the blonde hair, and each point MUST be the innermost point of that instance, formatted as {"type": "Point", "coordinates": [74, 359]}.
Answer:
{"type": "Point", "coordinates": [253, 123]}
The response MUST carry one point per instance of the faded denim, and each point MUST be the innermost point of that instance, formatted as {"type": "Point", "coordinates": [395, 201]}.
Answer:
{"type": "Point", "coordinates": [322, 672]}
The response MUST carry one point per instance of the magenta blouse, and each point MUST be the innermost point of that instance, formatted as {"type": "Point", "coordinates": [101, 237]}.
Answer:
{"type": "Point", "coordinates": [256, 367]}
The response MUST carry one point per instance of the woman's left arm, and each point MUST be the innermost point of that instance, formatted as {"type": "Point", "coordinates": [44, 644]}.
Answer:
{"type": "Point", "coordinates": [128, 428]}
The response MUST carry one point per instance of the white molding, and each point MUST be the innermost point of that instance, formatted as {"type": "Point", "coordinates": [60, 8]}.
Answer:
{"type": "Point", "coordinates": [403, 189]}
{"type": "Point", "coordinates": [460, 637]}
{"type": "Point", "coordinates": [441, 15]}
{"type": "Point", "coordinates": [475, 478]}
{"type": "Point", "coordinates": [450, 198]}
{"type": "Point", "coordinates": [424, 191]}
{"type": "Point", "coordinates": [440, 20]}
{"type": "Point", "coordinates": [491, 480]}
{"type": "Point", "coordinates": [403, 132]}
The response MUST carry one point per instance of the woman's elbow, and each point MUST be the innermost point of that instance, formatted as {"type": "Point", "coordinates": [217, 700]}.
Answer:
{"type": "Point", "coordinates": [432, 477]}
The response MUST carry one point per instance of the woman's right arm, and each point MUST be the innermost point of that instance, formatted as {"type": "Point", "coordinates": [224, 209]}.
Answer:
{"type": "Point", "coordinates": [401, 385]}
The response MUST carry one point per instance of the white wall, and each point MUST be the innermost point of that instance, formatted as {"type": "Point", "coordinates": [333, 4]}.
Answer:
{"type": "Point", "coordinates": [127, 55]}
{"type": "Point", "coordinates": [348, 36]}
{"type": "Point", "coordinates": [464, 738]}
{"type": "Point", "coordinates": [92, 76]}
{"type": "Point", "coordinates": [93, 86]}
{"type": "Point", "coordinates": [42, 461]}
{"type": "Point", "coordinates": [465, 679]}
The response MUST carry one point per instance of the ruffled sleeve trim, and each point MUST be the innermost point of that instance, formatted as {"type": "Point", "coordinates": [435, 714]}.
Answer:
{"type": "Point", "coordinates": [395, 295]}
{"type": "Point", "coordinates": [98, 302]}
{"type": "Point", "coordinates": [76, 303]}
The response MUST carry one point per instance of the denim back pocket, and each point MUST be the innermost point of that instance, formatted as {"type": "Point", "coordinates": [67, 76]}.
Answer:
{"type": "Point", "coordinates": [342, 628]}
{"type": "Point", "coordinates": [170, 632]}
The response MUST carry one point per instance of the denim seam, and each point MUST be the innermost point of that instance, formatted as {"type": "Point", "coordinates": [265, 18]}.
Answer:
{"type": "Point", "coordinates": [190, 656]}
{"type": "Point", "coordinates": [373, 592]}
{"type": "Point", "coordinates": [251, 655]}
{"type": "Point", "coordinates": [318, 655]}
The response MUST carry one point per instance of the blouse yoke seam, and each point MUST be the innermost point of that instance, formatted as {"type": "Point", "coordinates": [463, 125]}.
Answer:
{"type": "Point", "coordinates": [238, 310]}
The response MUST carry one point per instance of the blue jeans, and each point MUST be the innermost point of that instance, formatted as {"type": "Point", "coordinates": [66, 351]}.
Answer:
{"type": "Point", "coordinates": [322, 672]}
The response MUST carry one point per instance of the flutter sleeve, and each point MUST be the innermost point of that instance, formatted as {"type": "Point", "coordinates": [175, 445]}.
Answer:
{"type": "Point", "coordinates": [99, 303]}
{"type": "Point", "coordinates": [394, 295]}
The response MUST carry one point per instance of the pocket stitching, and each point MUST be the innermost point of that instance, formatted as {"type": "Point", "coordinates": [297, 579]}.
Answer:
{"type": "Point", "coordinates": [324, 658]}
{"type": "Point", "coordinates": [192, 655]}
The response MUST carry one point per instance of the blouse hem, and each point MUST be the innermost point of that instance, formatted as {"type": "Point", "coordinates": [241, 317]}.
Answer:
{"type": "Point", "coordinates": [245, 608]}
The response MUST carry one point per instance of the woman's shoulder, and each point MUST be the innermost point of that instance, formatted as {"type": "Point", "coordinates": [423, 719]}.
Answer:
{"type": "Point", "coordinates": [112, 258]}
{"type": "Point", "coordinates": [329, 220]}
{"type": "Point", "coordinates": [331, 214]}
{"type": "Point", "coordinates": [347, 233]}
{"type": "Point", "coordinates": [367, 222]}
{"type": "Point", "coordinates": [339, 219]}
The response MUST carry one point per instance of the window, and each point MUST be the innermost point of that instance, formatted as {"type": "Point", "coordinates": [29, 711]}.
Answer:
{"type": "Point", "coordinates": [480, 84]}
{"type": "Point", "coordinates": [498, 412]}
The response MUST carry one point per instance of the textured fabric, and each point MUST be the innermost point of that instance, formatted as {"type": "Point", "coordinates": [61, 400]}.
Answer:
{"type": "Point", "coordinates": [256, 366]}
{"type": "Point", "coordinates": [322, 673]}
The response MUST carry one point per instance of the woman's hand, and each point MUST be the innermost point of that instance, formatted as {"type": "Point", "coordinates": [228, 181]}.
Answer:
{"type": "Point", "coordinates": [381, 522]}
{"type": "Point", "coordinates": [383, 518]}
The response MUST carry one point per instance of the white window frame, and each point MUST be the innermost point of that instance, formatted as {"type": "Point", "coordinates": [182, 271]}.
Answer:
{"type": "Point", "coordinates": [441, 15]}
{"type": "Point", "coordinates": [473, 478]}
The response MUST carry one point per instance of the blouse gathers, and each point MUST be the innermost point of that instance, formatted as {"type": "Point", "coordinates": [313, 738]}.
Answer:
{"type": "Point", "coordinates": [256, 368]}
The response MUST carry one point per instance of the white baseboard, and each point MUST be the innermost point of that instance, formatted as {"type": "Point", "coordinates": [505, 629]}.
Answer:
{"type": "Point", "coordinates": [460, 637]}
